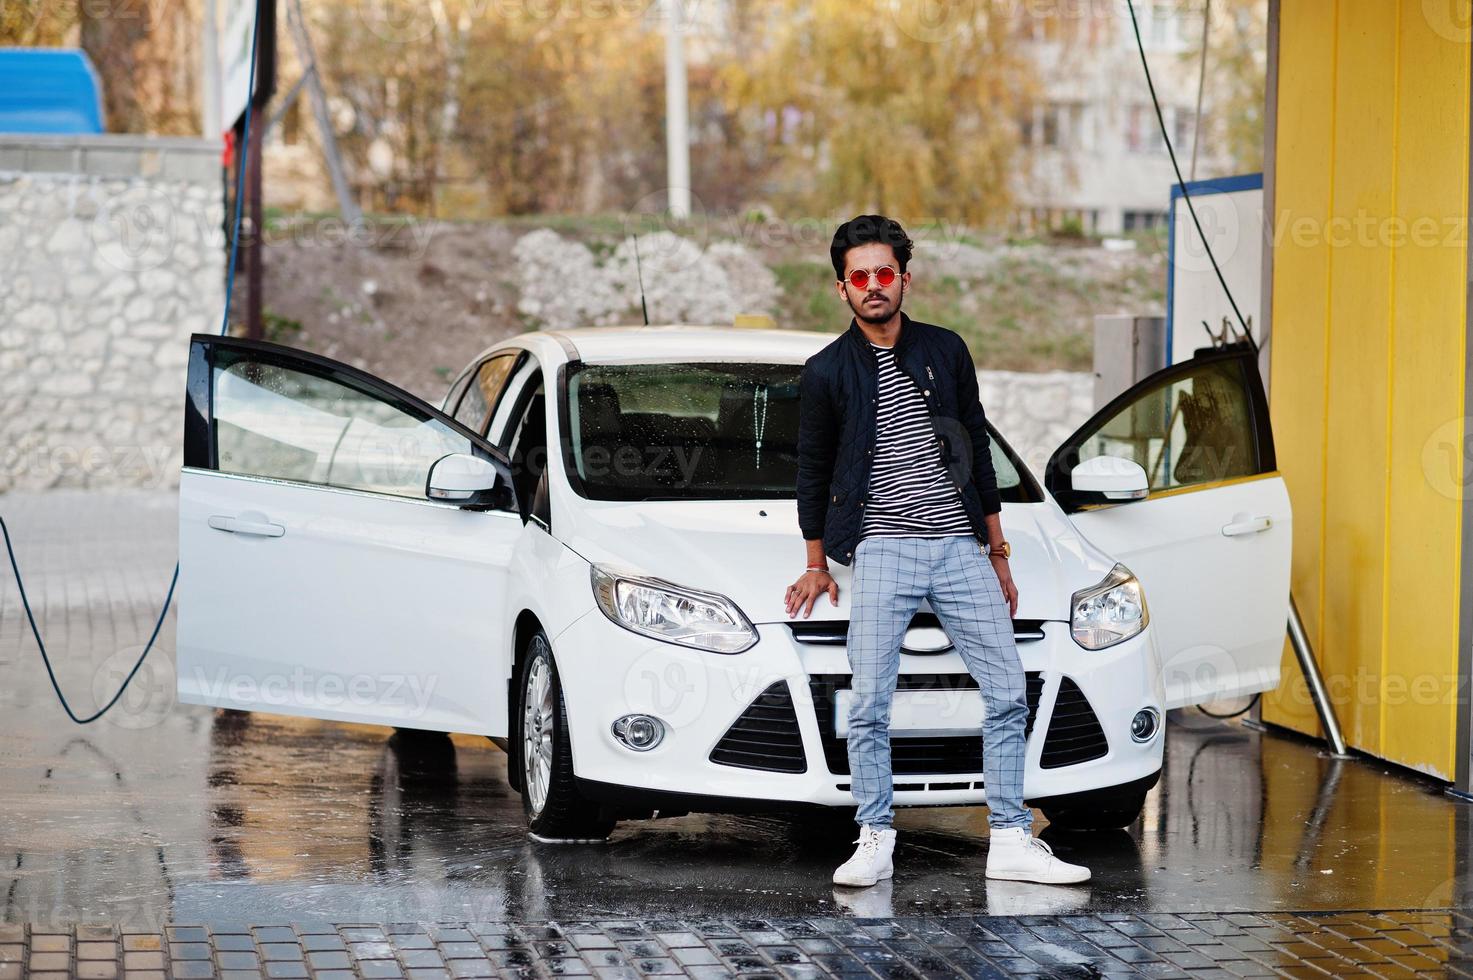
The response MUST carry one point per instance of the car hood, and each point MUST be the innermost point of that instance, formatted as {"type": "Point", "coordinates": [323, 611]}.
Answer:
{"type": "Point", "coordinates": [751, 550]}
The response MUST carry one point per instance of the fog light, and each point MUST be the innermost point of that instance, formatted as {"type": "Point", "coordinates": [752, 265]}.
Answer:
{"type": "Point", "coordinates": [1143, 726]}
{"type": "Point", "coordinates": [639, 732]}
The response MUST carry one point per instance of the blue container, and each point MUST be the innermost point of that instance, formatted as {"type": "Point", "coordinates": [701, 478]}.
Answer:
{"type": "Point", "coordinates": [49, 90]}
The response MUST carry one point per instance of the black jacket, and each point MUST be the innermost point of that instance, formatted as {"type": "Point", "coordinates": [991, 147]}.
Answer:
{"type": "Point", "coordinates": [836, 429]}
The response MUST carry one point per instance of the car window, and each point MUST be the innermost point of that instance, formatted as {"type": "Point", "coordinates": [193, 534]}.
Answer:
{"type": "Point", "coordinates": [457, 388]}
{"type": "Point", "coordinates": [702, 431]}
{"type": "Point", "coordinates": [487, 382]}
{"type": "Point", "coordinates": [510, 400]}
{"type": "Point", "coordinates": [286, 424]}
{"type": "Point", "coordinates": [1195, 427]}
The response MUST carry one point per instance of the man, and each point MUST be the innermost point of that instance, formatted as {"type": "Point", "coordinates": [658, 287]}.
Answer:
{"type": "Point", "coordinates": [895, 475]}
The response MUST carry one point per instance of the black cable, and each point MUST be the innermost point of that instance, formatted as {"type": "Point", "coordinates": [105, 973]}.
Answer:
{"type": "Point", "coordinates": [1182, 184]}
{"type": "Point", "coordinates": [224, 325]}
{"type": "Point", "coordinates": [1232, 714]}
{"type": "Point", "coordinates": [47, 660]}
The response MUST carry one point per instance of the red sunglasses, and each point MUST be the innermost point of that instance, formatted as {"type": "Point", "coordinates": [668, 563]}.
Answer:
{"type": "Point", "coordinates": [884, 275]}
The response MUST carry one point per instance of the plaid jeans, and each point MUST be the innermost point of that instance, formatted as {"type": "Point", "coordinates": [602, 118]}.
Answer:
{"type": "Point", "coordinates": [891, 576]}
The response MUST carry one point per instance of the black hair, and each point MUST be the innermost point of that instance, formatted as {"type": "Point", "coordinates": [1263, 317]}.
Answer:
{"type": "Point", "coordinates": [864, 229]}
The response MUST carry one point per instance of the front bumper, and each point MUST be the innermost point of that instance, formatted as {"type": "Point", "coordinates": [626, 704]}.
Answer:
{"type": "Point", "coordinates": [1081, 705]}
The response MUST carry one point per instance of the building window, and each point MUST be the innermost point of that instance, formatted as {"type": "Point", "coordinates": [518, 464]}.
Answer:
{"type": "Point", "coordinates": [1143, 130]}
{"type": "Point", "coordinates": [1166, 25]}
{"type": "Point", "coordinates": [1183, 128]}
{"type": "Point", "coordinates": [1143, 220]}
{"type": "Point", "coordinates": [1056, 125]}
{"type": "Point", "coordinates": [1141, 133]}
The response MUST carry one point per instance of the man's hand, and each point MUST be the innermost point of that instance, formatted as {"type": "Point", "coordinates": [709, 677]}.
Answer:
{"type": "Point", "coordinates": [1005, 579]}
{"type": "Point", "coordinates": [803, 593]}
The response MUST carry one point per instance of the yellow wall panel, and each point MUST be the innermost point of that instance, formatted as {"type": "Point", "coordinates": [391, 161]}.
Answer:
{"type": "Point", "coordinates": [1301, 257]}
{"type": "Point", "coordinates": [1367, 352]}
{"type": "Point", "coordinates": [1419, 666]}
{"type": "Point", "coordinates": [1356, 462]}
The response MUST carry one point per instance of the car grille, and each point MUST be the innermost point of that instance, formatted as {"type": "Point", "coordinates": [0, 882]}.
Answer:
{"type": "Point", "coordinates": [1074, 734]}
{"type": "Point", "coordinates": [765, 736]}
{"type": "Point", "coordinates": [835, 632]}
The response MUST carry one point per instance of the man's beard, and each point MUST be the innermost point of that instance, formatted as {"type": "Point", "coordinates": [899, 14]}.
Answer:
{"type": "Point", "coordinates": [861, 311]}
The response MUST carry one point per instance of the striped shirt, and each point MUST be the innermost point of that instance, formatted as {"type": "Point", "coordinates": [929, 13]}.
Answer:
{"type": "Point", "coordinates": [910, 492]}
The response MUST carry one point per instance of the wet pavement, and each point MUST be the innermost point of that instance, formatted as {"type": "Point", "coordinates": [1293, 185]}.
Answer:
{"type": "Point", "coordinates": [1394, 944]}
{"type": "Point", "coordinates": [165, 813]}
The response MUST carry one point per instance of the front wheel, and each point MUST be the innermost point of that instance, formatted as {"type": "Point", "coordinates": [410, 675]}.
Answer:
{"type": "Point", "coordinates": [1094, 812]}
{"type": "Point", "coordinates": [555, 809]}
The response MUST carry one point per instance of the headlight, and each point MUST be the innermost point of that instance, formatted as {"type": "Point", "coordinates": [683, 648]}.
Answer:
{"type": "Point", "coordinates": [1104, 614]}
{"type": "Point", "coordinates": [665, 611]}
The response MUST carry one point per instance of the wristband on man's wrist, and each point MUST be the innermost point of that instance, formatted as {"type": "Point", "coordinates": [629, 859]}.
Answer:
{"type": "Point", "coordinates": [817, 568]}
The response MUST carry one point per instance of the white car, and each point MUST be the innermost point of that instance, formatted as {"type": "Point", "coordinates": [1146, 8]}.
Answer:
{"type": "Point", "coordinates": [582, 554]}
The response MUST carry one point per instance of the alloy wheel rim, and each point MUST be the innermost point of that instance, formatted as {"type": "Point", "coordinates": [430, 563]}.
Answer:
{"type": "Point", "coordinates": [537, 731]}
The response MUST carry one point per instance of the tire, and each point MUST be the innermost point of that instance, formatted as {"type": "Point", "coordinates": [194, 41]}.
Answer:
{"type": "Point", "coordinates": [554, 808]}
{"type": "Point", "coordinates": [419, 736]}
{"type": "Point", "coordinates": [1111, 813]}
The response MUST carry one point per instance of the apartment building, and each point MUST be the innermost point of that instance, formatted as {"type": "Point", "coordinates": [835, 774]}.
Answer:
{"type": "Point", "coordinates": [1093, 152]}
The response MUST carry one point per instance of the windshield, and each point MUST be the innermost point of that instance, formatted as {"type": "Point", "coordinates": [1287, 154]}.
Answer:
{"type": "Point", "coordinates": [702, 431]}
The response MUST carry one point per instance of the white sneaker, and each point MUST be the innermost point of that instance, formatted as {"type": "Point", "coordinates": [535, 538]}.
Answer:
{"type": "Point", "coordinates": [1014, 854]}
{"type": "Point", "coordinates": [871, 861]}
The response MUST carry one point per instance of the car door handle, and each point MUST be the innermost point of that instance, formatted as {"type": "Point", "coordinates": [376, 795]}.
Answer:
{"type": "Point", "coordinates": [1251, 526]}
{"type": "Point", "coordinates": [236, 526]}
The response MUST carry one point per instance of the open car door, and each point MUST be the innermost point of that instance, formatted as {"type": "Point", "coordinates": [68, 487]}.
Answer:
{"type": "Point", "coordinates": [1206, 528]}
{"type": "Point", "coordinates": [343, 546]}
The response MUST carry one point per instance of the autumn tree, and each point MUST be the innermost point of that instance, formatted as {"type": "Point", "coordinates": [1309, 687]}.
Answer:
{"type": "Point", "coordinates": [903, 107]}
{"type": "Point", "coordinates": [1236, 78]}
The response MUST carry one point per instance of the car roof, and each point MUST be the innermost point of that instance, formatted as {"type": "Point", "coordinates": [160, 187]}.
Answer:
{"type": "Point", "coordinates": [680, 342]}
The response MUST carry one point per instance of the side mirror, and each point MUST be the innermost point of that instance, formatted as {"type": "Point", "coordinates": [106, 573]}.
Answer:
{"type": "Point", "coordinates": [462, 478]}
{"type": "Point", "coordinates": [1115, 477]}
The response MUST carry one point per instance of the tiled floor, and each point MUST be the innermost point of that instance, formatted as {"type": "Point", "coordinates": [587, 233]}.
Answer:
{"type": "Point", "coordinates": [1389, 944]}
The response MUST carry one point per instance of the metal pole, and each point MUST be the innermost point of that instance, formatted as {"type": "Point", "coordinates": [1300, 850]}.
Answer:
{"type": "Point", "coordinates": [254, 272]}
{"type": "Point", "coordinates": [1311, 670]}
{"type": "Point", "coordinates": [1201, 86]}
{"type": "Point", "coordinates": [209, 75]}
{"type": "Point", "coordinates": [352, 216]}
{"type": "Point", "coordinates": [677, 138]}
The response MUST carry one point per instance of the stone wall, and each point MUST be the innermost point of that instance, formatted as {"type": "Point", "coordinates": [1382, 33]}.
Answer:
{"type": "Point", "coordinates": [111, 255]}
{"type": "Point", "coordinates": [1035, 411]}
